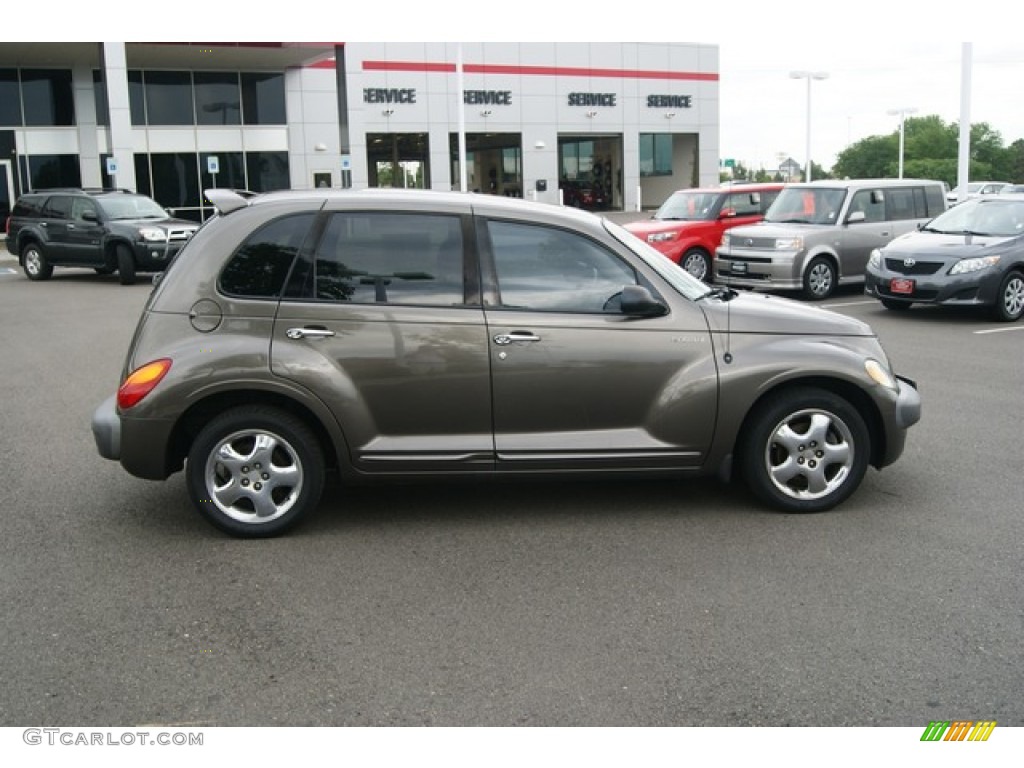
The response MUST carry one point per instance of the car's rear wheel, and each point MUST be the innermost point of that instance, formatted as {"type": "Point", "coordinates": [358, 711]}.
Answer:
{"type": "Point", "coordinates": [697, 263]}
{"type": "Point", "coordinates": [896, 306]}
{"type": "Point", "coordinates": [805, 450]}
{"type": "Point", "coordinates": [125, 265]}
{"type": "Point", "coordinates": [255, 471]}
{"type": "Point", "coordinates": [1009, 304]}
{"type": "Point", "coordinates": [819, 279]}
{"type": "Point", "coordinates": [35, 264]}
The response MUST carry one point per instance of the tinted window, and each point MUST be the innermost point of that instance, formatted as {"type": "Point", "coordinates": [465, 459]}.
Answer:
{"type": "Point", "coordinates": [46, 94]}
{"type": "Point", "coordinates": [260, 266]}
{"type": "Point", "coordinates": [391, 258]}
{"type": "Point", "coordinates": [901, 203]}
{"type": "Point", "coordinates": [10, 98]}
{"type": "Point", "coordinates": [217, 98]}
{"type": "Point", "coordinates": [28, 206]}
{"type": "Point", "coordinates": [168, 98]}
{"type": "Point", "coordinates": [263, 99]}
{"type": "Point", "coordinates": [57, 207]}
{"type": "Point", "coordinates": [542, 268]}
{"type": "Point", "coordinates": [936, 200]}
{"type": "Point", "coordinates": [744, 203]}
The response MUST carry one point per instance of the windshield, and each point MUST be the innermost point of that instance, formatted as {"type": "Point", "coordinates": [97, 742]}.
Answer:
{"type": "Point", "coordinates": [805, 205]}
{"type": "Point", "coordinates": [679, 278]}
{"type": "Point", "coordinates": [993, 216]}
{"type": "Point", "coordinates": [689, 206]}
{"type": "Point", "coordinates": [131, 207]}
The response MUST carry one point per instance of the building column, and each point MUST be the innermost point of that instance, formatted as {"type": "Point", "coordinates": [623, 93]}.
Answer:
{"type": "Point", "coordinates": [115, 77]}
{"type": "Point", "coordinates": [85, 119]}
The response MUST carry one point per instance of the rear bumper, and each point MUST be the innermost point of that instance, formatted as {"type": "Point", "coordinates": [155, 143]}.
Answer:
{"type": "Point", "coordinates": [106, 429]}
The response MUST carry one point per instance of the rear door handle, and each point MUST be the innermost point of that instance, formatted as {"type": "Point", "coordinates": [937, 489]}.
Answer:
{"type": "Point", "coordinates": [308, 333]}
{"type": "Point", "coordinates": [507, 338]}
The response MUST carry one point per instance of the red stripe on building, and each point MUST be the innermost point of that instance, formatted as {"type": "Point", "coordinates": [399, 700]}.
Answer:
{"type": "Point", "coordinates": [522, 69]}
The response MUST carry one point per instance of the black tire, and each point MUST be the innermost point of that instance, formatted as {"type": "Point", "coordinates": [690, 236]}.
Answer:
{"type": "Point", "coordinates": [819, 279]}
{"type": "Point", "coordinates": [35, 263]}
{"type": "Point", "coordinates": [125, 265]}
{"type": "Point", "coordinates": [1009, 304]}
{"type": "Point", "coordinates": [275, 479]}
{"type": "Point", "coordinates": [697, 263]}
{"type": "Point", "coordinates": [895, 305]}
{"type": "Point", "coordinates": [804, 450]}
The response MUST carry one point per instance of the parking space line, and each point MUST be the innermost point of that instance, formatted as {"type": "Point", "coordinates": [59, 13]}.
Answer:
{"type": "Point", "coordinates": [1001, 330]}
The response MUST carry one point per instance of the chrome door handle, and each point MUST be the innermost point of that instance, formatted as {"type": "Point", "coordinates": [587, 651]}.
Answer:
{"type": "Point", "coordinates": [507, 338]}
{"type": "Point", "coordinates": [308, 333]}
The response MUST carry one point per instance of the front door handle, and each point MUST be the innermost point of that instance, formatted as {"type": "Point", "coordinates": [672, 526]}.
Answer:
{"type": "Point", "coordinates": [507, 338]}
{"type": "Point", "coordinates": [308, 333]}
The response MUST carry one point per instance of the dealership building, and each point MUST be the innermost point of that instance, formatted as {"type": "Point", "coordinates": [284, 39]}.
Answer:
{"type": "Point", "coordinates": [603, 125]}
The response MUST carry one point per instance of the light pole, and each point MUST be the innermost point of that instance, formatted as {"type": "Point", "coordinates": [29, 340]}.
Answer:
{"type": "Point", "coordinates": [807, 75]}
{"type": "Point", "coordinates": [902, 112]}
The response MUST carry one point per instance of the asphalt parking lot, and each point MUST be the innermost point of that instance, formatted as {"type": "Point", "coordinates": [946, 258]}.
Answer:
{"type": "Point", "coordinates": [558, 604]}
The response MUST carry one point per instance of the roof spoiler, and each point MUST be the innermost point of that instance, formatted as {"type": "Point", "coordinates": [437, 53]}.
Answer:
{"type": "Point", "coordinates": [228, 200]}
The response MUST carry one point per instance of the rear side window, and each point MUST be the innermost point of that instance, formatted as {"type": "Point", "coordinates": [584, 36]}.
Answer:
{"type": "Point", "coordinates": [57, 207]}
{"type": "Point", "coordinates": [371, 257]}
{"type": "Point", "coordinates": [260, 266]}
{"type": "Point", "coordinates": [29, 207]}
{"type": "Point", "coordinates": [935, 200]}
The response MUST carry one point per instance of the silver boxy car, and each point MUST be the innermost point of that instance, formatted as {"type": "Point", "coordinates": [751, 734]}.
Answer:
{"type": "Point", "coordinates": [819, 235]}
{"type": "Point", "coordinates": [384, 334]}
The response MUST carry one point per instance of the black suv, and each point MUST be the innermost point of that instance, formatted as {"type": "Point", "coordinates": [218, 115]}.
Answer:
{"type": "Point", "coordinates": [106, 229]}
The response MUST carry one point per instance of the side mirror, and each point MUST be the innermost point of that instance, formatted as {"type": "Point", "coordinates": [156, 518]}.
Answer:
{"type": "Point", "coordinates": [637, 301]}
{"type": "Point", "coordinates": [855, 217]}
{"type": "Point", "coordinates": [727, 213]}
{"type": "Point", "coordinates": [90, 216]}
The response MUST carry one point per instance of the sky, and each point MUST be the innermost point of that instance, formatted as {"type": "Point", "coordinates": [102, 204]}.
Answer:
{"type": "Point", "coordinates": [880, 55]}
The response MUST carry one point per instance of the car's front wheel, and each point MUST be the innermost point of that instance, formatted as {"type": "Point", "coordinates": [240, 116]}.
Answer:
{"type": "Point", "coordinates": [1009, 304]}
{"type": "Point", "coordinates": [125, 265]}
{"type": "Point", "coordinates": [697, 263]}
{"type": "Point", "coordinates": [35, 264]}
{"type": "Point", "coordinates": [805, 450]}
{"type": "Point", "coordinates": [819, 279]}
{"type": "Point", "coordinates": [255, 471]}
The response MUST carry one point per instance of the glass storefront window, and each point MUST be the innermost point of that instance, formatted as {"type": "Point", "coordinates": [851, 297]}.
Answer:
{"type": "Point", "coordinates": [263, 98]}
{"type": "Point", "coordinates": [218, 100]}
{"type": "Point", "coordinates": [10, 98]}
{"type": "Point", "coordinates": [267, 171]}
{"type": "Point", "coordinates": [655, 154]}
{"type": "Point", "coordinates": [169, 98]}
{"type": "Point", "coordinates": [46, 94]}
{"type": "Point", "coordinates": [175, 179]}
{"type": "Point", "coordinates": [99, 94]}
{"type": "Point", "coordinates": [49, 171]}
{"type": "Point", "coordinates": [137, 97]}
{"type": "Point", "coordinates": [398, 159]}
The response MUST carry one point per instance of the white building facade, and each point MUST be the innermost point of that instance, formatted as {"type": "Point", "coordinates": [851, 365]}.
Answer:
{"type": "Point", "coordinates": [601, 125]}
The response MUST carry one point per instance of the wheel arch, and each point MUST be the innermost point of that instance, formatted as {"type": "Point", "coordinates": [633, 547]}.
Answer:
{"type": "Point", "coordinates": [839, 387]}
{"type": "Point", "coordinates": [188, 426]}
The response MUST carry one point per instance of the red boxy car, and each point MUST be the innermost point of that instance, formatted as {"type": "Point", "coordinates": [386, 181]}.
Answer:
{"type": "Point", "coordinates": [689, 225]}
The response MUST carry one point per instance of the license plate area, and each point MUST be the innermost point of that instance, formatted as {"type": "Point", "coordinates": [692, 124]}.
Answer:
{"type": "Point", "coordinates": [739, 267]}
{"type": "Point", "coordinates": [901, 285]}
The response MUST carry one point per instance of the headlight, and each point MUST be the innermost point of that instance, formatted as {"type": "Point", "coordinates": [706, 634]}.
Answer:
{"type": "Point", "coordinates": [875, 259]}
{"type": "Point", "coordinates": [973, 265]}
{"type": "Point", "coordinates": [879, 373]}
{"type": "Point", "coordinates": [725, 240]}
{"type": "Point", "coordinates": [153, 235]}
{"type": "Point", "coordinates": [660, 237]}
{"type": "Point", "coordinates": [789, 243]}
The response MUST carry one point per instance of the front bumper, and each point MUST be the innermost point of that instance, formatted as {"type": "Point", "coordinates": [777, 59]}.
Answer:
{"type": "Point", "coordinates": [771, 270]}
{"type": "Point", "coordinates": [979, 288]}
{"type": "Point", "coordinates": [157, 255]}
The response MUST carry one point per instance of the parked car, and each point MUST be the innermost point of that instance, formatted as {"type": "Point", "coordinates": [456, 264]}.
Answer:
{"type": "Point", "coordinates": [582, 194]}
{"type": "Point", "coordinates": [819, 235]}
{"type": "Point", "coordinates": [398, 334]}
{"type": "Point", "coordinates": [977, 189]}
{"type": "Point", "coordinates": [688, 226]}
{"type": "Point", "coordinates": [972, 255]}
{"type": "Point", "coordinates": [1012, 189]}
{"type": "Point", "coordinates": [108, 230]}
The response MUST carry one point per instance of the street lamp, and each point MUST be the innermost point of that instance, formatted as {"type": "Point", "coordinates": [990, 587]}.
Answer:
{"type": "Point", "coordinates": [902, 112]}
{"type": "Point", "coordinates": [808, 76]}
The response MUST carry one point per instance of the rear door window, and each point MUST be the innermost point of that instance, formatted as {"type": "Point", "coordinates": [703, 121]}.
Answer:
{"type": "Point", "coordinates": [261, 264]}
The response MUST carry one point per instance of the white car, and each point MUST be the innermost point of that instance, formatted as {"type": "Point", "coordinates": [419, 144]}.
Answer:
{"type": "Point", "coordinates": [977, 189]}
